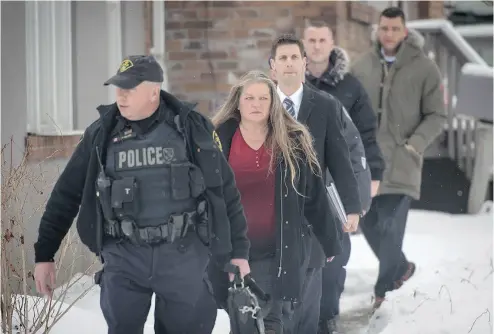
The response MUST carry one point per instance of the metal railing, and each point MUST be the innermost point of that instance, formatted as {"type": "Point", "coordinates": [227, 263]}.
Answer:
{"type": "Point", "coordinates": [468, 139]}
{"type": "Point", "coordinates": [477, 30]}
{"type": "Point", "coordinates": [451, 51]}
{"type": "Point", "coordinates": [450, 38]}
{"type": "Point", "coordinates": [475, 95]}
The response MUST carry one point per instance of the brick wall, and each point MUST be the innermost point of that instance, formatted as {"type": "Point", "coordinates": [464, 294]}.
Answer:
{"type": "Point", "coordinates": [436, 10]}
{"type": "Point", "coordinates": [40, 148]}
{"type": "Point", "coordinates": [430, 9]}
{"type": "Point", "coordinates": [210, 44]}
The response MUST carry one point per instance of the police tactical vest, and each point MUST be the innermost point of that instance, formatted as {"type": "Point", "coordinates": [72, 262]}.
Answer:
{"type": "Point", "coordinates": [152, 176]}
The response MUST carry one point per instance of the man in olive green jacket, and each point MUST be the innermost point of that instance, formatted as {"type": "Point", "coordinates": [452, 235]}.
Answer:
{"type": "Point", "coordinates": [405, 88]}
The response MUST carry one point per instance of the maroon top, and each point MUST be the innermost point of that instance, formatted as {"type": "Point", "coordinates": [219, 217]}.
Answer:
{"type": "Point", "coordinates": [257, 194]}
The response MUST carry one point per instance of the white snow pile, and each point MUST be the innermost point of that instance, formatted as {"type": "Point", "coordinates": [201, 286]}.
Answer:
{"type": "Point", "coordinates": [451, 292]}
{"type": "Point", "coordinates": [85, 315]}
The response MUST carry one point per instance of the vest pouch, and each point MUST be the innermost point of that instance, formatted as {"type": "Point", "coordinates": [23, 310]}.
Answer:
{"type": "Point", "coordinates": [197, 184]}
{"type": "Point", "coordinates": [124, 197]}
{"type": "Point", "coordinates": [202, 223]}
{"type": "Point", "coordinates": [180, 181]}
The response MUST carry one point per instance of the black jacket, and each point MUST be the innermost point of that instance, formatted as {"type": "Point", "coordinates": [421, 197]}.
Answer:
{"type": "Point", "coordinates": [357, 156]}
{"type": "Point", "coordinates": [320, 113]}
{"type": "Point", "coordinates": [76, 187]}
{"type": "Point", "coordinates": [338, 82]}
{"type": "Point", "coordinates": [298, 220]}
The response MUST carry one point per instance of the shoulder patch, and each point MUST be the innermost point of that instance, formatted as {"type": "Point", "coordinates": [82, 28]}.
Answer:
{"type": "Point", "coordinates": [217, 141]}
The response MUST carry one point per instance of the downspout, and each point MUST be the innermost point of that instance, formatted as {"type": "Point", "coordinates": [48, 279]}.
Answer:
{"type": "Point", "coordinates": [159, 34]}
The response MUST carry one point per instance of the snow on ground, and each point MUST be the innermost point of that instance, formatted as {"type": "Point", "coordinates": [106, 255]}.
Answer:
{"type": "Point", "coordinates": [450, 293]}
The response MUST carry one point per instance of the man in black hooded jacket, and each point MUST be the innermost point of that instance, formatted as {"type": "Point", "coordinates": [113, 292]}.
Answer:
{"type": "Point", "coordinates": [328, 70]}
{"type": "Point", "coordinates": [152, 190]}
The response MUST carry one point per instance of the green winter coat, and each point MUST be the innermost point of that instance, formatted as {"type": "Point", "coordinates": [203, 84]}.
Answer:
{"type": "Point", "coordinates": [412, 110]}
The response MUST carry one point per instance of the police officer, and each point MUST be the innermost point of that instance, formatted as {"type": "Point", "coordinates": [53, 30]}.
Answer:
{"type": "Point", "coordinates": [156, 197]}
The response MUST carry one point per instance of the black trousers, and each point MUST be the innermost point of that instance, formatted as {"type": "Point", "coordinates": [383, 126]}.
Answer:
{"type": "Point", "coordinates": [305, 316]}
{"type": "Point", "coordinates": [175, 273]}
{"type": "Point", "coordinates": [333, 281]}
{"type": "Point", "coordinates": [384, 228]}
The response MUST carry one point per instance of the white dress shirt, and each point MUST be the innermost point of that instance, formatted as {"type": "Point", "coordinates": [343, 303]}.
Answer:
{"type": "Point", "coordinates": [295, 97]}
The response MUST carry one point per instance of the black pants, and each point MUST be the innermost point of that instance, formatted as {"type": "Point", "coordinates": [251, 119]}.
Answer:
{"type": "Point", "coordinates": [175, 273]}
{"type": "Point", "coordinates": [333, 281]}
{"type": "Point", "coordinates": [264, 272]}
{"type": "Point", "coordinates": [384, 228]}
{"type": "Point", "coordinates": [305, 316]}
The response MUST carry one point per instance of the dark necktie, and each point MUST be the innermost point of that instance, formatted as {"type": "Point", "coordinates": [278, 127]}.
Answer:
{"type": "Point", "coordinates": [288, 104]}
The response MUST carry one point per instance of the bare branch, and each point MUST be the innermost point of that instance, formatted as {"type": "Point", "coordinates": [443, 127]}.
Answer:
{"type": "Point", "coordinates": [415, 293]}
{"type": "Point", "coordinates": [420, 304]}
{"type": "Point", "coordinates": [449, 294]}
{"type": "Point", "coordinates": [21, 310]}
{"type": "Point", "coordinates": [492, 270]}
{"type": "Point", "coordinates": [463, 280]}
{"type": "Point", "coordinates": [475, 321]}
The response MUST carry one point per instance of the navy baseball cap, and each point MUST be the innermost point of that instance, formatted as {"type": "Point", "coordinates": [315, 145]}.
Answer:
{"type": "Point", "coordinates": [134, 70]}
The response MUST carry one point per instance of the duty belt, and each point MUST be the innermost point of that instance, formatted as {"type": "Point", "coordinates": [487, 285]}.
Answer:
{"type": "Point", "coordinates": [177, 227]}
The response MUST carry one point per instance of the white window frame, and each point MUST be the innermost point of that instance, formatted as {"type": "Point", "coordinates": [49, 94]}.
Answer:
{"type": "Point", "coordinates": [0, 86]}
{"type": "Point", "coordinates": [405, 7]}
{"type": "Point", "coordinates": [115, 48]}
{"type": "Point", "coordinates": [49, 84]}
{"type": "Point", "coordinates": [158, 49]}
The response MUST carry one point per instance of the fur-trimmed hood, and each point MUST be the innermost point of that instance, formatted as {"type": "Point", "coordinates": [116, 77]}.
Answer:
{"type": "Point", "coordinates": [412, 46]}
{"type": "Point", "coordinates": [339, 66]}
{"type": "Point", "coordinates": [414, 38]}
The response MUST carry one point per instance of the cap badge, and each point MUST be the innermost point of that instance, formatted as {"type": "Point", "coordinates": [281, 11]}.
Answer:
{"type": "Point", "coordinates": [125, 65]}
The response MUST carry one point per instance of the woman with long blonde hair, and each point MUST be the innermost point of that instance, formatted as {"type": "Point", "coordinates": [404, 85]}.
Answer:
{"type": "Point", "coordinates": [282, 192]}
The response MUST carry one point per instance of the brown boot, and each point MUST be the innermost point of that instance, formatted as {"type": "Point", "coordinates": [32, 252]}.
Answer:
{"type": "Point", "coordinates": [377, 303]}
{"type": "Point", "coordinates": [406, 276]}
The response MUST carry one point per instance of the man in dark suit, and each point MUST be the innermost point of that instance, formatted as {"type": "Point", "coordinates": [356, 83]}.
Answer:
{"type": "Point", "coordinates": [328, 70]}
{"type": "Point", "coordinates": [318, 111]}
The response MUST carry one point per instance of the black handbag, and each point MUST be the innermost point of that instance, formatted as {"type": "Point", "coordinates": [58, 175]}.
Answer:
{"type": "Point", "coordinates": [246, 314]}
